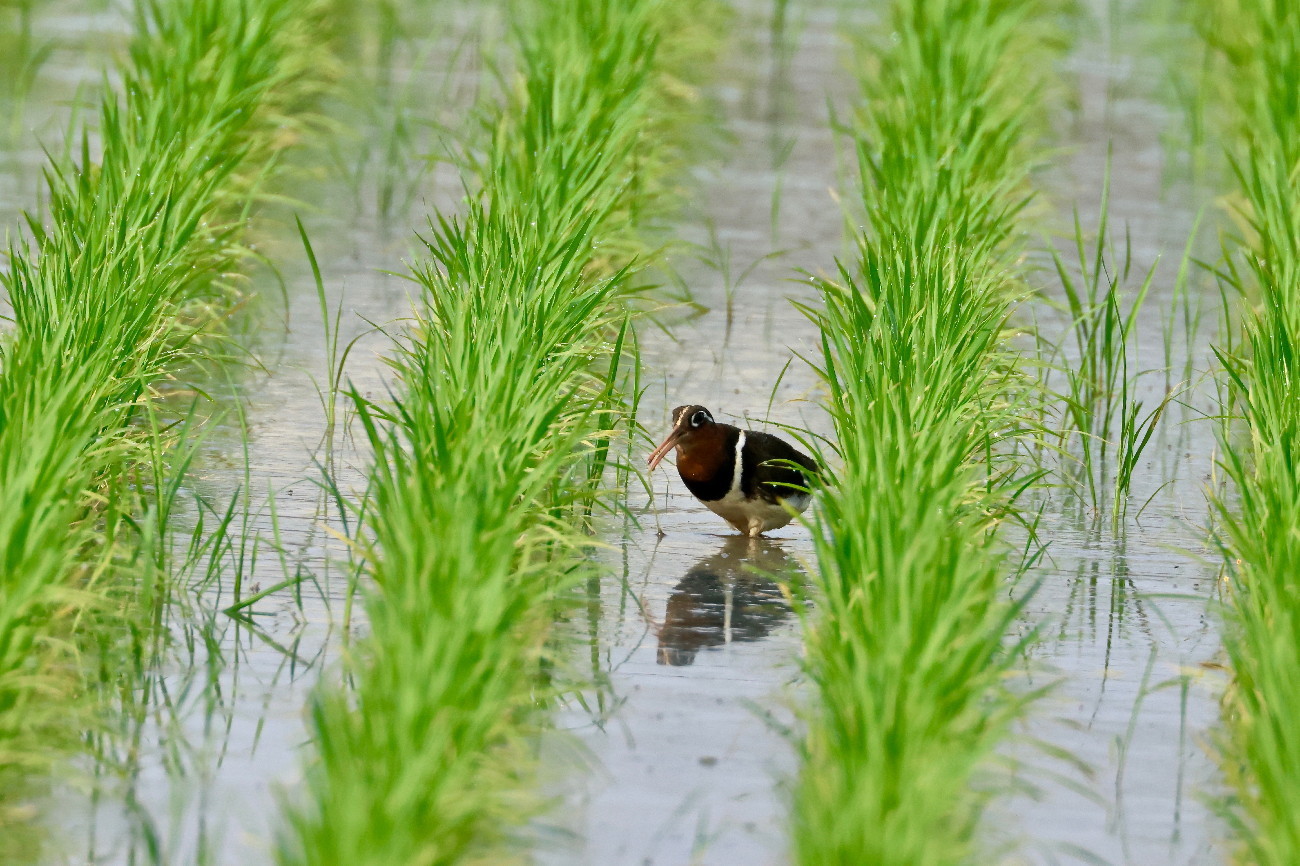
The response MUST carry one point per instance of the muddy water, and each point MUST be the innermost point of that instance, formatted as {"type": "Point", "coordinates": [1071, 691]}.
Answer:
{"type": "Point", "coordinates": [678, 756]}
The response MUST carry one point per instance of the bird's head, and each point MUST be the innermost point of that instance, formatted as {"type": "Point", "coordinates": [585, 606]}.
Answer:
{"type": "Point", "coordinates": [689, 423]}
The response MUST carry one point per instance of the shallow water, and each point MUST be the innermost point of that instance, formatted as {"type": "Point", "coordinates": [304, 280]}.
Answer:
{"type": "Point", "coordinates": [1126, 617]}
{"type": "Point", "coordinates": [686, 768]}
{"type": "Point", "coordinates": [679, 755]}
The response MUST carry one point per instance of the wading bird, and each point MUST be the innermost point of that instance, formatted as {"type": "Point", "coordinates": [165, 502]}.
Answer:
{"type": "Point", "coordinates": [743, 476]}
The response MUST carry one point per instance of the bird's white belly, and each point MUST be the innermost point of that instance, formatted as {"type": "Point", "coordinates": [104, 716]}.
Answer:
{"type": "Point", "coordinates": [756, 515]}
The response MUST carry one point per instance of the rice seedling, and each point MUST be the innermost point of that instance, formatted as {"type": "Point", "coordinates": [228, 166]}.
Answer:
{"type": "Point", "coordinates": [717, 256]}
{"type": "Point", "coordinates": [1194, 87]}
{"type": "Point", "coordinates": [1102, 413]}
{"type": "Point", "coordinates": [118, 282]}
{"type": "Point", "coordinates": [397, 107]}
{"type": "Point", "coordinates": [488, 457]}
{"type": "Point", "coordinates": [1257, 46]}
{"type": "Point", "coordinates": [21, 58]}
{"type": "Point", "coordinates": [908, 648]}
{"type": "Point", "coordinates": [1184, 319]}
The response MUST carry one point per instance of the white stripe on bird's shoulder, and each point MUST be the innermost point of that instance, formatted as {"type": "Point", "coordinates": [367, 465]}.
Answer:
{"type": "Point", "coordinates": [739, 467]}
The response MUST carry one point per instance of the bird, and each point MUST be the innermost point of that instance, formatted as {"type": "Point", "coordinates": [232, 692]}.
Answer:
{"type": "Point", "coordinates": [746, 477]}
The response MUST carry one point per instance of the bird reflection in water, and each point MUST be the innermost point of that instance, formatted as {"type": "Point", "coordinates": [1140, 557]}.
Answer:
{"type": "Point", "coordinates": [721, 600]}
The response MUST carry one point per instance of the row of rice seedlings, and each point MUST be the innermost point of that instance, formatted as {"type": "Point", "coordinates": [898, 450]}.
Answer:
{"type": "Point", "coordinates": [1257, 43]}
{"type": "Point", "coordinates": [119, 281]}
{"type": "Point", "coordinates": [488, 456]}
{"type": "Point", "coordinates": [908, 647]}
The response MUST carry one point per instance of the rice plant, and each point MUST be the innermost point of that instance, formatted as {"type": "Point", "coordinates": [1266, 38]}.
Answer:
{"type": "Point", "coordinates": [1102, 416]}
{"type": "Point", "coordinates": [21, 58]}
{"type": "Point", "coordinates": [121, 276]}
{"type": "Point", "coordinates": [489, 453]}
{"type": "Point", "coordinates": [1257, 43]}
{"type": "Point", "coordinates": [908, 649]}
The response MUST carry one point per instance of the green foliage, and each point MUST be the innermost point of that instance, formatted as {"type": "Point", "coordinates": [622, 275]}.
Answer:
{"type": "Point", "coordinates": [21, 58]}
{"type": "Point", "coordinates": [118, 279]}
{"type": "Point", "coordinates": [490, 453]}
{"type": "Point", "coordinates": [907, 647]}
{"type": "Point", "coordinates": [1258, 43]}
{"type": "Point", "coordinates": [1102, 412]}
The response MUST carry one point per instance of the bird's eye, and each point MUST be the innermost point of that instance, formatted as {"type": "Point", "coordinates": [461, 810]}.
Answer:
{"type": "Point", "coordinates": [699, 418]}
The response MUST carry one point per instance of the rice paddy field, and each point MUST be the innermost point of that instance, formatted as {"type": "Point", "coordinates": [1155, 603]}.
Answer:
{"type": "Point", "coordinates": [336, 336]}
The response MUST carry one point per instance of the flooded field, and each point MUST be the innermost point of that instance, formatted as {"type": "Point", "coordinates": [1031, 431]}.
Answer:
{"type": "Point", "coordinates": [681, 750]}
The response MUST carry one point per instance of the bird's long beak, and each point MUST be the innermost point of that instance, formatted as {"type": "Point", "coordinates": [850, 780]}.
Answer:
{"type": "Point", "coordinates": [664, 447]}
